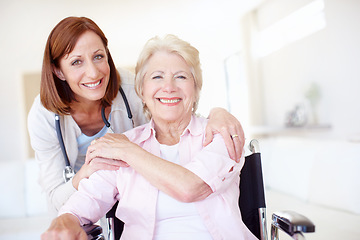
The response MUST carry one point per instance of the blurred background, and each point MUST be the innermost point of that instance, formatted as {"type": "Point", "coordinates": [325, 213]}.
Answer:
{"type": "Point", "coordinates": [288, 70]}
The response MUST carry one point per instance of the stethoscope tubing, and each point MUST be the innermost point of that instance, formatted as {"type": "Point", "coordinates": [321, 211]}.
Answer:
{"type": "Point", "coordinates": [61, 140]}
{"type": "Point", "coordinates": [126, 104]}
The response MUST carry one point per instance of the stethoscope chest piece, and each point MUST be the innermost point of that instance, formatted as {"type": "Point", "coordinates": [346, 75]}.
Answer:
{"type": "Point", "coordinates": [68, 173]}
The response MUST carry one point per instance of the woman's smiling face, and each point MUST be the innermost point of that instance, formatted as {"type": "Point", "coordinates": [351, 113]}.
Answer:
{"type": "Point", "coordinates": [86, 68]}
{"type": "Point", "coordinates": [168, 87]}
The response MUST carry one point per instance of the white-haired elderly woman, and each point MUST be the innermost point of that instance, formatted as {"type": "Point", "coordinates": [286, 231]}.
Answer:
{"type": "Point", "coordinates": [174, 187]}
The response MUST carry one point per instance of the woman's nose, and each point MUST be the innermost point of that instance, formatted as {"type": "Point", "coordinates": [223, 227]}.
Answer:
{"type": "Point", "coordinates": [92, 70]}
{"type": "Point", "coordinates": [169, 84]}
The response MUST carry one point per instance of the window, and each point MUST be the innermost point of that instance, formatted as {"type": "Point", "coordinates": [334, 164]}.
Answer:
{"type": "Point", "coordinates": [300, 24]}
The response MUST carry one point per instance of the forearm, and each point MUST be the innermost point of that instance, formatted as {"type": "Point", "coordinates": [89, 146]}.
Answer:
{"type": "Point", "coordinates": [214, 166]}
{"type": "Point", "coordinates": [52, 181]}
{"type": "Point", "coordinates": [95, 197]}
{"type": "Point", "coordinates": [168, 177]}
{"type": "Point", "coordinates": [59, 195]}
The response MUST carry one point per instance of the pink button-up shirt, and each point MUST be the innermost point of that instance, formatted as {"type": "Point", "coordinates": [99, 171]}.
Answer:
{"type": "Point", "coordinates": [137, 197]}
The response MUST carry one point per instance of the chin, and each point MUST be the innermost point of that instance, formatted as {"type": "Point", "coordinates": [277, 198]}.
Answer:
{"type": "Point", "coordinates": [176, 117]}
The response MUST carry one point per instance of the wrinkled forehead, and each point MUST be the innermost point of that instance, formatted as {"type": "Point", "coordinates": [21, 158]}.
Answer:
{"type": "Point", "coordinates": [166, 62]}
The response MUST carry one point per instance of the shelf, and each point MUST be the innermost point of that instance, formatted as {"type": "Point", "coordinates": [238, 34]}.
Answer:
{"type": "Point", "coordinates": [266, 131]}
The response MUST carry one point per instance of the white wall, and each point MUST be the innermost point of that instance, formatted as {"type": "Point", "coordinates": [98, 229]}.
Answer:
{"type": "Point", "coordinates": [318, 165]}
{"type": "Point", "coordinates": [329, 58]}
{"type": "Point", "coordinates": [211, 26]}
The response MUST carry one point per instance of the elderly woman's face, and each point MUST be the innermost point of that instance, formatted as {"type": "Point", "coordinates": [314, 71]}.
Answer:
{"type": "Point", "coordinates": [168, 87]}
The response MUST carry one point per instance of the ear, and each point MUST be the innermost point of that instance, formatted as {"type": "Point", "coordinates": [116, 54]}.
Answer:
{"type": "Point", "coordinates": [142, 97]}
{"type": "Point", "coordinates": [58, 73]}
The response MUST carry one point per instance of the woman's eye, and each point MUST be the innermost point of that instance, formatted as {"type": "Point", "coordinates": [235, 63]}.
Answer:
{"type": "Point", "coordinates": [76, 62]}
{"type": "Point", "coordinates": [181, 77]}
{"type": "Point", "coordinates": [98, 57]}
{"type": "Point", "coordinates": [156, 77]}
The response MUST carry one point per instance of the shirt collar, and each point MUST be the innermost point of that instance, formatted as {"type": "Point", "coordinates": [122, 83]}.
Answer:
{"type": "Point", "coordinates": [194, 128]}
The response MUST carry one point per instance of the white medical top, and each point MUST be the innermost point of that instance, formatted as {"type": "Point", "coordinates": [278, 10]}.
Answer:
{"type": "Point", "coordinates": [174, 219]}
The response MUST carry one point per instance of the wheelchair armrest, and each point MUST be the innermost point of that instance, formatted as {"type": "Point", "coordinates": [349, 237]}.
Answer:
{"type": "Point", "coordinates": [292, 222]}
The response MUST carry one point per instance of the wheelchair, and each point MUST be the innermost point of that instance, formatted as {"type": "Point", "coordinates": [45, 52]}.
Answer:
{"type": "Point", "coordinates": [252, 206]}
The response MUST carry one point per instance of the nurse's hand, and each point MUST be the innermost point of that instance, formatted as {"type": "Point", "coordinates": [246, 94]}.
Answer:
{"type": "Point", "coordinates": [221, 121]}
{"type": "Point", "coordinates": [65, 227]}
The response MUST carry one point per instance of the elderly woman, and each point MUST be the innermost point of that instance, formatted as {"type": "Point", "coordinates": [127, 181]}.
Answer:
{"type": "Point", "coordinates": [174, 187]}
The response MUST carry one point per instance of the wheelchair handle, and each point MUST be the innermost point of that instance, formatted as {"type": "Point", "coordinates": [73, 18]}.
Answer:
{"type": "Point", "coordinates": [254, 146]}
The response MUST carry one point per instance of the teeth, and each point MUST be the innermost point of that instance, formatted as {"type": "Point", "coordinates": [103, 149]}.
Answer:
{"type": "Point", "coordinates": [92, 84]}
{"type": "Point", "coordinates": [169, 100]}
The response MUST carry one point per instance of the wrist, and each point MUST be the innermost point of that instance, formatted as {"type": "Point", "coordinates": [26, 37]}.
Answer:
{"type": "Point", "coordinates": [132, 156]}
{"type": "Point", "coordinates": [76, 179]}
{"type": "Point", "coordinates": [215, 111]}
{"type": "Point", "coordinates": [68, 217]}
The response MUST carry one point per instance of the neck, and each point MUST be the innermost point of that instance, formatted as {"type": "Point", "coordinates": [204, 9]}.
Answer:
{"type": "Point", "coordinates": [169, 133]}
{"type": "Point", "coordinates": [88, 117]}
{"type": "Point", "coordinates": [86, 107]}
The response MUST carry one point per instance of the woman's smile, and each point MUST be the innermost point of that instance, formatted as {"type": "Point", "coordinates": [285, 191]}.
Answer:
{"type": "Point", "coordinates": [169, 101]}
{"type": "Point", "coordinates": [92, 85]}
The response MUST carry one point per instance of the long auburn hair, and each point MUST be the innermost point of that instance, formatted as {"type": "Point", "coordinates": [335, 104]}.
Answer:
{"type": "Point", "coordinates": [55, 94]}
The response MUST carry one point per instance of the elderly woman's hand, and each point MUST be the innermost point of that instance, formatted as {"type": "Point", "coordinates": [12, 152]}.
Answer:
{"type": "Point", "coordinates": [94, 164]}
{"type": "Point", "coordinates": [65, 227]}
{"type": "Point", "coordinates": [113, 147]}
{"type": "Point", "coordinates": [89, 167]}
{"type": "Point", "coordinates": [221, 121]}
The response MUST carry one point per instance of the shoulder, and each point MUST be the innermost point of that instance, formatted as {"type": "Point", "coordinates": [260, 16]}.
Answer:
{"type": "Point", "coordinates": [41, 125]}
{"type": "Point", "coordinates": [127, 84]}
{"type": "Point", "coordinates": [136, 106]}
{"type": "Point", "coordinates": [197, 129]}
{"type": "Point", "coordinates": [197, 125]}
{"type": "Point", "coordinates": [39, 114]}
{"type": "Point", "coordinates": [200, 120]}
{"type": "Point", "coordinates": [127, 77]}
{"type": "Point", "coordinates": [139, 134]}
{"type": "Point", "coordinates": [36, 106]}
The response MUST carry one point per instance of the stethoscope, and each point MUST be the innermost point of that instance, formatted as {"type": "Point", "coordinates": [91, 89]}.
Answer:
{"type": "Point", "coordinates": [69, 172]}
